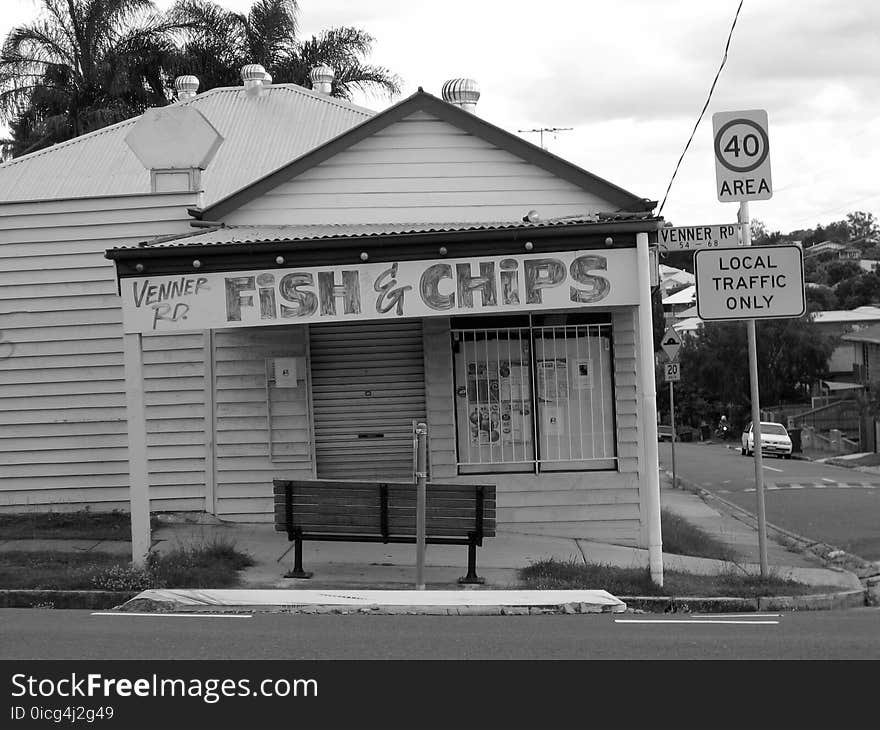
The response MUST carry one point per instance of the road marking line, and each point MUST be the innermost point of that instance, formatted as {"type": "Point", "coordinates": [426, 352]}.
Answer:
{"type": "Point", "coordinates": [797, 486]}
{"type": "Point", "coordinates": [689, 621]}
{"type": "Point", "coordinates": [174, 615]}
{"type": "Point", "coordinates": [831, 481]}
{"type": "Point", "coordinates": [736, 615]}
{"type": "Point", "coordinates": [771, 468]}
{"type": "Point", "coordinates": [727, 481]}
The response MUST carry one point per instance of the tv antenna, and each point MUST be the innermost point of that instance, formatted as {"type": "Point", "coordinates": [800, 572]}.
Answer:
{"type": "Point", "coordinates": [541, 130]}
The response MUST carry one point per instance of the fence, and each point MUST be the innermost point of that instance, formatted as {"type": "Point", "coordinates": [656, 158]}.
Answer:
{"type": "Point", "coordinates": [834, 443]}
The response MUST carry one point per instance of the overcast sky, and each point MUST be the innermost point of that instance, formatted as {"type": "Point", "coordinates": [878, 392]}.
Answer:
{"type": "Point", "coordinates": [631, 76]}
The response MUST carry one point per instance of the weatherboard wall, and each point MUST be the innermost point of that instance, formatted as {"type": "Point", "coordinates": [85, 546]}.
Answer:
{"type": "Point", "coordinates": [63, 434]}
{"type": "Point", "coordinates": [420, 169]}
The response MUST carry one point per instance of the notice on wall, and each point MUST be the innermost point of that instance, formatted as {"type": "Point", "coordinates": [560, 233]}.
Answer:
{"type": "Point", "coordinates": [552, 382]}
{"type": "Point", "coordinates": [583, 376]}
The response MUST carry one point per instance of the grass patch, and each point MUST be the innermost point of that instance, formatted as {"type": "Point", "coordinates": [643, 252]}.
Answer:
{"type": "Point", "coordinates": [51, 570]}
{"type": "Point", "coordinates": [210, 565]}
{"type": "Point", "coordinates": [556, 574]}
{"type": "Point", "coordinates": [680, 537]}
{"type": "Point", "coordinates": [80, 525]}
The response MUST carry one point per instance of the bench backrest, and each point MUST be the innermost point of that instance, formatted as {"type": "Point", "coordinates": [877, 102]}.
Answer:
{"type": "Point", "coordinates": [382, 508]}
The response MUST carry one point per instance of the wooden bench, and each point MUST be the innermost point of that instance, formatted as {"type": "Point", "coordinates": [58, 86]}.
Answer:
{"type": "Point", "coordinates": [349, 511]}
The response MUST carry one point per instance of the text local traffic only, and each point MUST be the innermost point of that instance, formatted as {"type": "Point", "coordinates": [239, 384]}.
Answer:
{"type": "Point", "coordinates": [759, 282]}
{"type": "Point", "coordinates": [766, 277]}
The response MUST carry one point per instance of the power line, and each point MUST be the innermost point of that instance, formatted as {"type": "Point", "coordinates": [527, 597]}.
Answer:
{"type": "Point", "coordinates": [705, 106]}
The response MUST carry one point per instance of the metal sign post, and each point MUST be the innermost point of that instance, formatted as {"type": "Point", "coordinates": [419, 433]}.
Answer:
{"type": "Point", "coordinates": [672, 421]}
{"type": "Point", "coordinates": [742, 173]}
{"type": "Point", "coordinates": [756, 410]}
{"type": "Point", "coordinates": [421, 499]}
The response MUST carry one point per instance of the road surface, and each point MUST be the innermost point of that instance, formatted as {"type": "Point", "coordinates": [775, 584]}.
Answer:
{"type": "Point", "coordinates": [69, 634]}
{"type": "Point", "coordinates": [825, 503]}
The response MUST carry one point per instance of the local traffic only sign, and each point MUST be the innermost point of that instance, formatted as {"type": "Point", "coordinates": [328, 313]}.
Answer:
{"type": "Point", "coordinates": [742, 156]}
{"type": "Point", "coordinates": [755, 282]}
{"type": "Point", "coordinates": [687, 238]}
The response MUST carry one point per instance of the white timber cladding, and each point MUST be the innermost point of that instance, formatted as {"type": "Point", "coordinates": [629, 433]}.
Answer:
{"type": "Point", "coordinates": [605, 505]}
{"type": "Point", "coordinates": [63, 435]}
{"type": "Point", "coordinates": [420, 169]}
{"type": "Point", "coordinates": [245, 399]}
{"type": "Point", "coordinates": [368, 386]}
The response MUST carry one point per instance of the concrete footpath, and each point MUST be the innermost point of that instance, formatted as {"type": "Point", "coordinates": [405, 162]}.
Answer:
{"type": "Point", "coordinates": [375, 577]}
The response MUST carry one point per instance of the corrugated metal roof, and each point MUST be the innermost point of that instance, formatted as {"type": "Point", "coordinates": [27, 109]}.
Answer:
{"type": "Point", "coordinates": [260, 134]}
{"type": "Point", "coordinates": [861, 314]}
{"type": "Point", "coordinates": [311, 232]}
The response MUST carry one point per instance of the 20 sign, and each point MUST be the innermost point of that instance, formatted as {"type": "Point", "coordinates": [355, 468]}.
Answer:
{"type": "Point", "coordinates": [742, 156]}
{"type": "Point", "coordinates": [672, 371]}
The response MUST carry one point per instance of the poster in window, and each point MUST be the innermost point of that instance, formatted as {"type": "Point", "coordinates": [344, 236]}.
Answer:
{"type": "Point", "coordinates": [583, 376]}
{"type": "Point", "coordinates": [552, 383]}
{"type": "Point", "coordinates": [515, 394]}
{"type": "Point", "coordinates": [484, 411]}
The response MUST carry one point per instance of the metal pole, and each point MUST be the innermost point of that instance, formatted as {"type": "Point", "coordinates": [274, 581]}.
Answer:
{"type": "Point", "coordinates": [421, 499]}
{"type": "Point", "coordinates": [672, 420]}
{"type": "Point", "coordinates": [138, 467]}
{"type": "Point", "coordinates": [756, 409]}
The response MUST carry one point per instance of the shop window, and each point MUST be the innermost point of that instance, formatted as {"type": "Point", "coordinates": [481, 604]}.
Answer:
{"type": "Point", "coordinates": [534, 396]}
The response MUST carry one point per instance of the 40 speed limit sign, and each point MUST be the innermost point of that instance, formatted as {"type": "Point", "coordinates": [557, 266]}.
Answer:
{"type": "Point", "coordinates": [742, 156]}
{"type": "Point", "coordinates": [672, 371]}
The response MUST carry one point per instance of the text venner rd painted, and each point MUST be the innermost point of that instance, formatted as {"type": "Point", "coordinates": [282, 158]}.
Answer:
{"type": "Point", "coordinates": [759, 282]}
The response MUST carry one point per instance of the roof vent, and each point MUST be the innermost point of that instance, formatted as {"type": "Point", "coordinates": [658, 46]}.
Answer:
{"type": "Point", "coordinates": [322, 79]}
{"type": "Point", "coordinates": [186, 86]}
{"type": "Point", "coordinates": [464, 93]}
{"type": "Point", "coordinates": [254, 76]}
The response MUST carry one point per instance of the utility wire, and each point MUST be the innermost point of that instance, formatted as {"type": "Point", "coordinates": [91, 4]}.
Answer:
{"type": "Point", "coordinates": [705, 106]}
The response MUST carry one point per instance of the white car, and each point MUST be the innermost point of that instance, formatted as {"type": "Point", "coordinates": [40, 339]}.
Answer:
{"type": "Point", "coordinates": [774, 440]}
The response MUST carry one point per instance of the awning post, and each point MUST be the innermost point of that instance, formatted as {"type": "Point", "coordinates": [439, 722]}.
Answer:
{"type": "Point", "coordinates": [650, 476]}
{"type": "Point", "coordinates": [138, 479]}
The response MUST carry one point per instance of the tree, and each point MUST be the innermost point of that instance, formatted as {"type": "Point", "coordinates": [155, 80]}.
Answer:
{"type": "Point", "coordinates": [761, 236]}
{"type": "Point", "coordinates": [820, 299]}
{"type": "Point", "coordinates": [792, 355]}
{"type": "Point", "coordinates": [859, 291]}
{"type": "Point", "coordinates": [81, 65]}
{"type": "Point", "coordinates": [216, 43]}
{"type": "Point", "coordinates": [862, 226]}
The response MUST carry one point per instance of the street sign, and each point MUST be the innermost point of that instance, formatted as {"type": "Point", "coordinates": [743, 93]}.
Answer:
{"type": "Point", "coordinates": [758, 282]}
{"type": "Point", "coordinates": [686, 238]}
{"type": "Point", "coordinates": [742, 156]}
{"type": "Point", "coordinates": [671, 343]}
{"type": "Point", "coordinates": [672, 371]}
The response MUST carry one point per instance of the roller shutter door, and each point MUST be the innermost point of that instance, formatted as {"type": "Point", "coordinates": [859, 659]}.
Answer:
{"type": "Point", "coordinates": [368, 385]}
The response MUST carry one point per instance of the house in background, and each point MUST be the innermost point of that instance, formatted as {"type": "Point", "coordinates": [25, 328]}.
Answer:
{"type": "Point", "coordinates": [837, 323]}
{"type": "Point", "coordinates": [823, 247]}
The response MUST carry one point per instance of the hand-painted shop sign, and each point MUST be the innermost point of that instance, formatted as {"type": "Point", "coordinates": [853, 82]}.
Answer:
{"type": "Point", "coordinates": [370, 291]}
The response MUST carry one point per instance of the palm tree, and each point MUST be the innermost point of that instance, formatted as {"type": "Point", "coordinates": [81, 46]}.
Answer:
{"type": "Point", "coordinates": [216, 43]}
{"type": "Point", "coordinates": [81, 65]}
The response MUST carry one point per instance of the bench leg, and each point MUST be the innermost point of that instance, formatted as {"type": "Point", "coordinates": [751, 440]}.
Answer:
{"type": "Point", "coordinates": [472, 576]}
{"type": "Point", "coordinates": [297, 571]}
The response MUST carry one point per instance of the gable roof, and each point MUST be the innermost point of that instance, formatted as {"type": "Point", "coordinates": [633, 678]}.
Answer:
{"type": "Point", "coordinates": [425, 102]}
{"type": "Point", "coordinates": [260, 134]}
